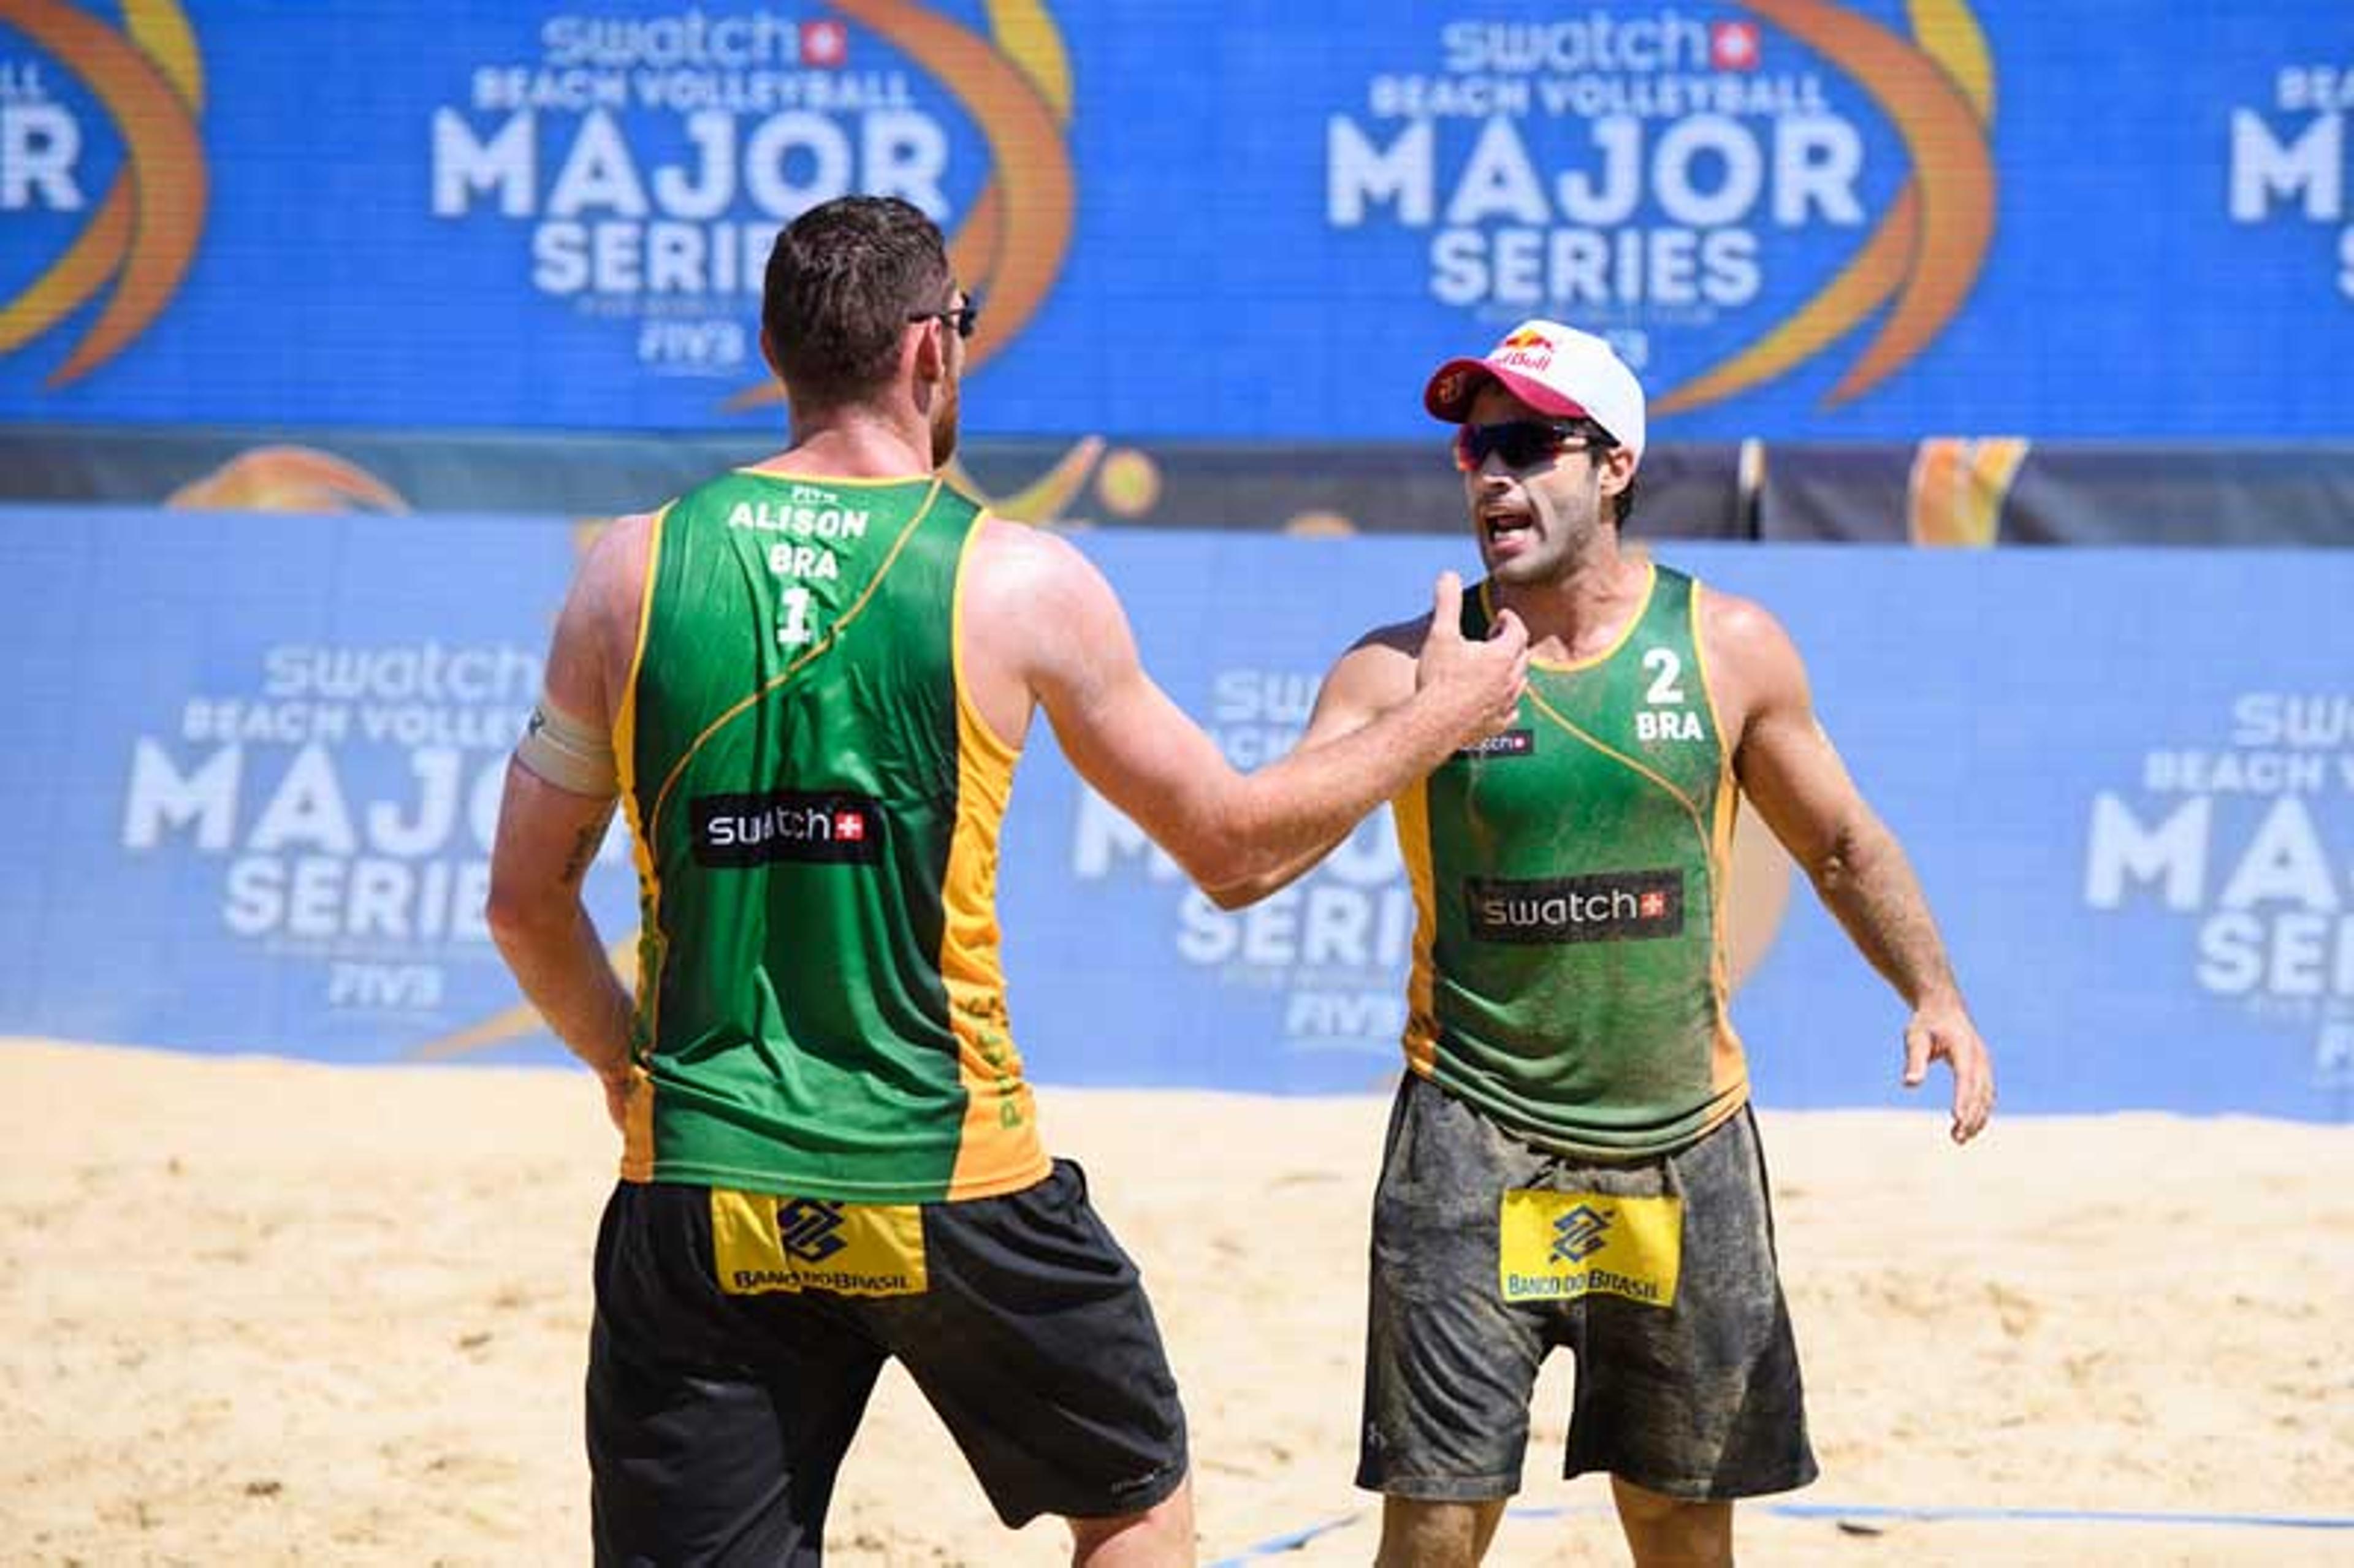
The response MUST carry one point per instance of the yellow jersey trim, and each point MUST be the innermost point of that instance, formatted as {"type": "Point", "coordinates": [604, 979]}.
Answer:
{"type": "Point", "coordinates": [1412, 810]}
{"type": "Point", "coordinates": [1642, 608]}
{"type": "Point", "coordinates": [999, 1149]}
{"type": "Point", "coordinates": [638, 1134]}
{"type": "Point", "coordinates": [1730, 1066]}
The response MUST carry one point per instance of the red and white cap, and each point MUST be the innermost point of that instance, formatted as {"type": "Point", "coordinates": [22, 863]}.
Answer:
{"type": "Point", "coordinates": [1553, 368]}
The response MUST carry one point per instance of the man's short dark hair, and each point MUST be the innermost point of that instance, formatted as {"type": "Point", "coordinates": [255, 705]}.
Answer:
{"type": "Point", "coordinates": [1599, 441]}
{"type": "Point", "coordinates": [843, 278]}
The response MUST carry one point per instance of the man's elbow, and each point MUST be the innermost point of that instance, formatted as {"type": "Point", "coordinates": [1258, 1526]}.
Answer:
{"type": "Point", "coordinates": [521, 915]}
{"type": "Point", "coordinates": [1843, 856]}
{"type": "Point", "coordinates": [1232, 866]}
{"type": "Point", "coordinates": [1239, 893]}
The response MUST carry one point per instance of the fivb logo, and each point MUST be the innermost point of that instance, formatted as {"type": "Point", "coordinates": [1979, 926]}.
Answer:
{"type": "Point", "coordinates": [141, 231]}
{"type": "Point", "coordinates": [1651, 169]}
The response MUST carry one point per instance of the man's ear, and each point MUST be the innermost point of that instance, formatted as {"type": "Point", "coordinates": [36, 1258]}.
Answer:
{"type": "Point", "coordinates": [931, 352]}
{"type": "Point", "coordinates": [768, 353]}
{"type": "Point", "coordinates": [1617, 471]}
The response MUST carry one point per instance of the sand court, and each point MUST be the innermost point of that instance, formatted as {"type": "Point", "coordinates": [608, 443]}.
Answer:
{"type": "Point", "coordinates": [258, 1312]}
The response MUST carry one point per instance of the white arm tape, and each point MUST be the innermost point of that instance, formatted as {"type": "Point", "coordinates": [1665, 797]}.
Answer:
{"type": "Point", "coordinates": [568, 752]}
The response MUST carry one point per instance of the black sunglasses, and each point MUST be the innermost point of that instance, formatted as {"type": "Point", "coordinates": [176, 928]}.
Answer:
{"type": "Point", "coordinates": [962, 317]}
{"type": "Point", "coordinates": [1522, 443]}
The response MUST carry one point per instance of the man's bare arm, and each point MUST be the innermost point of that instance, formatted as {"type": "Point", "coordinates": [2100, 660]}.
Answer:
{"type": "Point", "coordinates": [548, 834]}
{"type": "Point", "coordinates": [1803, 792]}
{"type": "Point", "coordinates": [1039, 614]}
{"type": "Point", "coordinates": [1370, 679]}
{"type": "Point", "coordinates": [546, 838]}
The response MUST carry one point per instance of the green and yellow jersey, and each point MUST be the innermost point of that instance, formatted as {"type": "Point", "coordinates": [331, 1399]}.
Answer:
{"type": "Point", "coordinates": [815, 807]}
{"type": "Point", "coordinates": [1569, 970]}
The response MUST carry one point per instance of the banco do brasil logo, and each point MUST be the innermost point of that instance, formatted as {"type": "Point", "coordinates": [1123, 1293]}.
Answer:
{"type": "Point", "coordinates": [134, 238]}
{"type": "Point", "coordinates": [806, 1228]}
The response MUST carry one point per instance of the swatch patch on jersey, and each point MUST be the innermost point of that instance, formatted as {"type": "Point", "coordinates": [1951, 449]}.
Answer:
{"type": "Point", "coordinates": [1511, 743]}
{"type": "Point", "coordinates": [1625, 905]}
{"type": "Point", "coordinates": [1556, 1246]}
{"type": "Point", "coordinates": [761, 1243]}
{"type": "Point", "coordinates": [828, 829]}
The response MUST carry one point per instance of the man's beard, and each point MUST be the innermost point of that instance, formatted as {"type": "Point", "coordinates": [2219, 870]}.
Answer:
{"type": "Point", "coordinates": [944, 429]}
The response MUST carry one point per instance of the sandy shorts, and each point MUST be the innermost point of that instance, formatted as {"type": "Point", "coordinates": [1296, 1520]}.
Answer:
{"type": "Point", "coordinates": [1657, 1274]}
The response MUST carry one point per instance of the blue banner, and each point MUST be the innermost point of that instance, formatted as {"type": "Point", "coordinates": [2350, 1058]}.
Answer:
{"type": "Point", "coordinates": [257, 761]}
{"type": "Point", "coordinates": [1799, 220]}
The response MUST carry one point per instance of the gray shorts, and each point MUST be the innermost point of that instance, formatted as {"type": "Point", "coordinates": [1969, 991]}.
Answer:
{"type": "Point", "coordinates": [1657, 1273]}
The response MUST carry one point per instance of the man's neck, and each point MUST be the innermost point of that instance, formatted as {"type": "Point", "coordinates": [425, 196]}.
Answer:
{"type": "Point", "coordinates": [856, 443]}
{"type": "Point", "coordinates": [1579, 614]}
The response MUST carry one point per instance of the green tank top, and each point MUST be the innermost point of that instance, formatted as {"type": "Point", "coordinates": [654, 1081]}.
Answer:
{"type": "Point", "coordinates": [815, 807]}
{"type": "Point", "coordinates": [1569, 972]}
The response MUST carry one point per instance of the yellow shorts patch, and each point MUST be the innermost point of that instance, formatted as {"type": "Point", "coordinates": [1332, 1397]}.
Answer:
{"type": "Point", "coordinates": [1558, 1245]}
{"type": "Point", "coordinates": [762, 1243]}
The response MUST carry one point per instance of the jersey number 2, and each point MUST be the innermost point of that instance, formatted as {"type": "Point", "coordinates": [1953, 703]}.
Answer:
{"type": "Point", "coordinates": [1665, 669]}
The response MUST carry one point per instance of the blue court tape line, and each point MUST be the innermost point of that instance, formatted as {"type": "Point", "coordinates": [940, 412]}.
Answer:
{"type": "Point", "coordinates": [2064, 1515]}
{"type": "Point", "coordinates": [2044, 1515]}
{"type": "Point", "coordinates": [1294, 1540]}
{"type": "Point", "coordinates": [1291, 1541]}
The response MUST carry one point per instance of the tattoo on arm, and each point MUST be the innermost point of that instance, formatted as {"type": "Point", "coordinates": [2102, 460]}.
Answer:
{"type": "Point", "coordinates": [584, 848]}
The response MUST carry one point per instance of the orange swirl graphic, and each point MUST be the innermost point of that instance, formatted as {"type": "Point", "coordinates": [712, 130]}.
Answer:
{"type": "Point", "coordinates": [1019, 229]}
{"type": "Point", "coordinates": [1932, 241]}
{"type": "Point", "coordinates": [145, 228]}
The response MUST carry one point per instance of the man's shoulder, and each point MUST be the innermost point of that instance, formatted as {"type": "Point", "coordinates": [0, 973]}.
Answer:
{"type": "Point", "coordinates": [1377, 671]}
{"type": "Point", "coordinates": [1737, 625]}
{"type": "Point", "coordinates": [1005, 547]}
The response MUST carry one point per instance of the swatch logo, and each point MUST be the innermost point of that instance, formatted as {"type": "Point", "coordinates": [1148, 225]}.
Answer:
{"type": "Point", "coordinates": [141, 232]}
{"type": "Point", "coordinates": [1613, 906]}
{"type": "Point", "coordinates": [1733, 45]}
{"type": "Point", "coordinates": [786, 825]}
{"type": "Point", "coordinates": [1931, 242]}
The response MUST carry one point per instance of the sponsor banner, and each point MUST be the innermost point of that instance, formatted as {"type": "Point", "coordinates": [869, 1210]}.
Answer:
{"type": "Point", "coordinates": [1867, 219]}
{"type": "Point", "coordinates": [257, 793]}
{"type": "Point", "coordinates": [259, 762]}
{"type": "Point", "coordinates": [1391, 487]}
{"type": "Point", "coordinates": [1975, 490]}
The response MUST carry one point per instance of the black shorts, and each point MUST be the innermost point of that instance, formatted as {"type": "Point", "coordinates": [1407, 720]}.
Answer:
{"type": "Point", "coordinates": [719, 1410]}
{"type": "Point", "coordinates": [1658, 1274]}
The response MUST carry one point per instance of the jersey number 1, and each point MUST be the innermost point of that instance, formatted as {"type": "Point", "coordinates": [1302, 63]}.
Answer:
{"type": "Point", "coordinates": [794, 629]}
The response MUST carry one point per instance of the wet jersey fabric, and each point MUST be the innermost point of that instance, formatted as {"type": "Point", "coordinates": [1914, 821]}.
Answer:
{"type": "Point", "coordinates": [815, 807]}
{"type": "Point", "coordinates": [1569, 971]}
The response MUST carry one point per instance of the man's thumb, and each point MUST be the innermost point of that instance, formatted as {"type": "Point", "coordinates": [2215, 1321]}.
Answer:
{"type": "Point", "coordinates": [1916, 1054]}
{"type": "Point", "coordinates": [1447, 605]}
